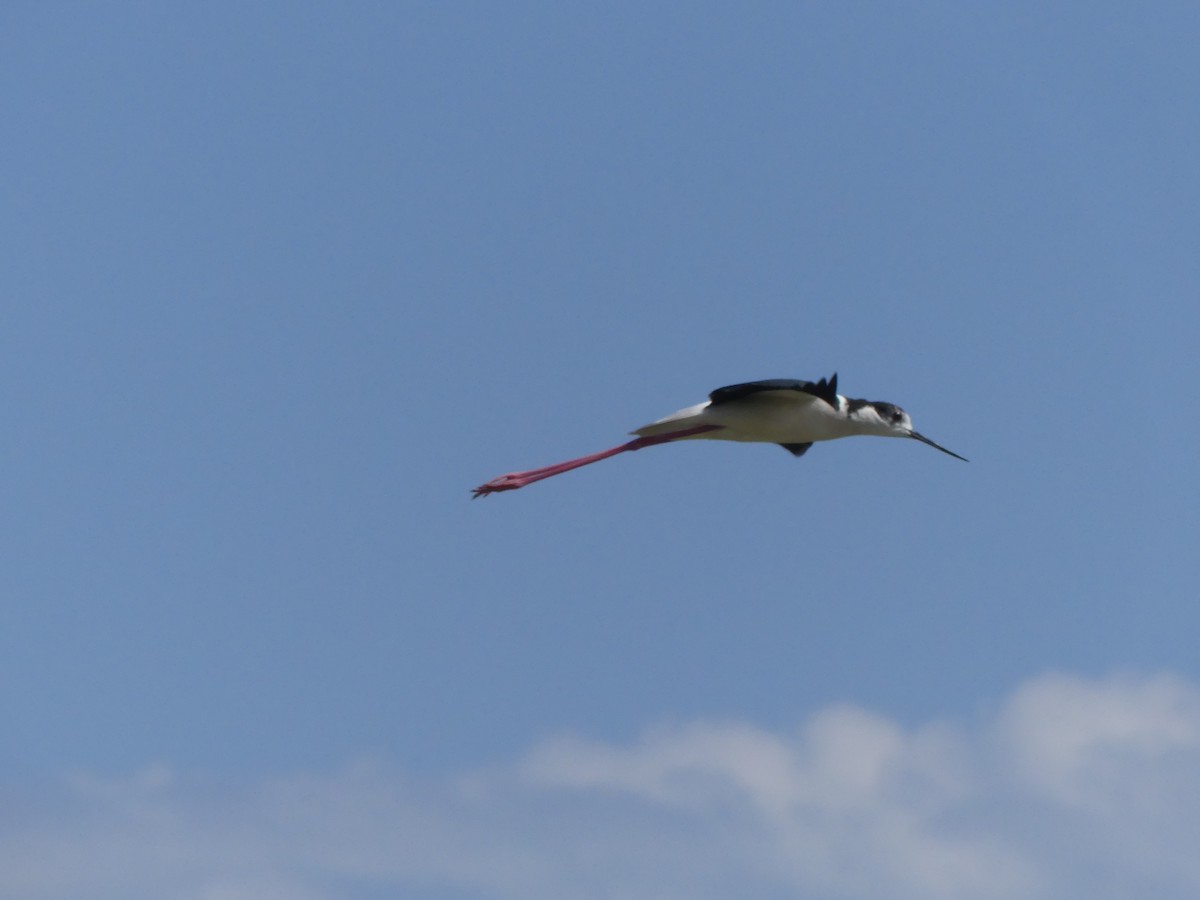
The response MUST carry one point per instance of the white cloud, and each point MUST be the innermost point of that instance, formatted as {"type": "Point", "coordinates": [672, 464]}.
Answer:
{"type": "Point", "coordinates": [1084, 742]}
{"type": "Point", "coordinates": [1075, 788]}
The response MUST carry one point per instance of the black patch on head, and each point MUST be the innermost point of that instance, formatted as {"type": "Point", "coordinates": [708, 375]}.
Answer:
{"type": "Point", "coordinates": [889, 412]}
{"type": "Point", "coordinates": [796, 449]}
{"type": "Point", "coordinates": [825, 389]}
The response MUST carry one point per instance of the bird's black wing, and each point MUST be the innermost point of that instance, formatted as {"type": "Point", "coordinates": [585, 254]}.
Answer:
{"type": "Point", "coordinates": [825, 389]}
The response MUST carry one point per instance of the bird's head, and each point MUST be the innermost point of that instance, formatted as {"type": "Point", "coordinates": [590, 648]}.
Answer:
{"type": "Point", "coordinates": [889, 420]}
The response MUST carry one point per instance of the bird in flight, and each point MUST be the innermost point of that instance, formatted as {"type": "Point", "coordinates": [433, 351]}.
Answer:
{"type": "Point", "coordinates": [793, 414]}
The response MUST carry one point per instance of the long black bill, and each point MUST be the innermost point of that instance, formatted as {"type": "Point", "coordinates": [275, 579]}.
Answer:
{"type": "Point", "coordinates": [925, 440]}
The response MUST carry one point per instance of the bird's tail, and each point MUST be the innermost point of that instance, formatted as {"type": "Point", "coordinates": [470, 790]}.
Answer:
{"type": "Point", "coordinates": [677, 421]}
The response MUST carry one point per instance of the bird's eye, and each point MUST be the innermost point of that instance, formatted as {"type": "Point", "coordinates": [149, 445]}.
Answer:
{"type": "Point", "coordinates": [897, 416]}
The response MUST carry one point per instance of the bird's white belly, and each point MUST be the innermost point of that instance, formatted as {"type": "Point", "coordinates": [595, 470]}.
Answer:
{"type": "Point", "coordinates": [775, 423]}
{"type": "Point", "coordinates": [765, 421]}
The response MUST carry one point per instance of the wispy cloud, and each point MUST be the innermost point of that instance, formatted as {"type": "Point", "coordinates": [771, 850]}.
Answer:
{"type": "Point", "coordinates": [1074, 788]}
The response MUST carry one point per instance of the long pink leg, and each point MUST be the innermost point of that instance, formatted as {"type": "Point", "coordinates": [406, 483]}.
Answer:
{"type": "Point", "coordinates": [514, 480]}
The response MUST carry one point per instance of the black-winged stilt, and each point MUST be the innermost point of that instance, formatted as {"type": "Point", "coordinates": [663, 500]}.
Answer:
{"type": "Point", "coordinates": [793, 414]}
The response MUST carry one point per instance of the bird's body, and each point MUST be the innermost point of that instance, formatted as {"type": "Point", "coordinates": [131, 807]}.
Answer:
{"type": "Point", "coordinates": [781, 412]}
{"type": "Point", "coordinates": [794, 414]}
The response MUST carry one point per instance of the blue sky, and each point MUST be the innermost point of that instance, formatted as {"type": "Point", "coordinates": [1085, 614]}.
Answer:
{"type": "Point", "coordinates": [283, 281]}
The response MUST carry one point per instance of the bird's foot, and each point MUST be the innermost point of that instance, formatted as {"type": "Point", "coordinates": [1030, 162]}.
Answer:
{"type": "Point", "coordinates": [508, 482]}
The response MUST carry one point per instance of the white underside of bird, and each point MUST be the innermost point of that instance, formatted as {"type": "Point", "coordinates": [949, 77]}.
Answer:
{"type": "Point", "coordinates": [771, 417]}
